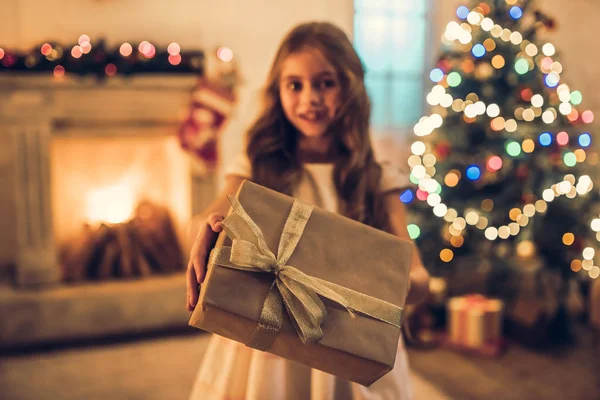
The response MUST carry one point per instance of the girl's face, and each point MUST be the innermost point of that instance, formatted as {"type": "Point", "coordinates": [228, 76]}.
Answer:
{"type": "Point", "coordinates": [310, 92]}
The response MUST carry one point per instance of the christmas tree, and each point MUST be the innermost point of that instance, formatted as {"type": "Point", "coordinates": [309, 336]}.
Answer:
{"type": "Point", "coordinates": [502, 162]}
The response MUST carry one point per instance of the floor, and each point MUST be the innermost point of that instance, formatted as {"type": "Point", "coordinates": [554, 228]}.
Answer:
{"type": "Point", "coordinates": [159, 368]}
{"type": "Point", "coordinates": [570, 372]}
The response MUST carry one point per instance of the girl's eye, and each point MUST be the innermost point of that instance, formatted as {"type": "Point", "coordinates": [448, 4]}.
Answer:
{"type": "Point", "coordinates": [325, 84]}
{"type": "Point", "coordinates": [328, 83]}
{"type": "Point", "coordinates": [295, 86]}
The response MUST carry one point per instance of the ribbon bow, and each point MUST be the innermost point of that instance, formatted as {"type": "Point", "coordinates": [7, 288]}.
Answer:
{"type": "Point", "coordinates": [292, 289]}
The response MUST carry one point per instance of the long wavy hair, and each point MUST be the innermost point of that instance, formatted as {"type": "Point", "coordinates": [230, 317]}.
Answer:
{"type": "Point", "coordinates": [272, 141]}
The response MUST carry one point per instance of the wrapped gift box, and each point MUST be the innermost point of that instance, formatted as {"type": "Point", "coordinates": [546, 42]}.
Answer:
{"type": "Point", "coordinates": [475, 322]}
{"type": "Point", "coordinates": [370, 266]}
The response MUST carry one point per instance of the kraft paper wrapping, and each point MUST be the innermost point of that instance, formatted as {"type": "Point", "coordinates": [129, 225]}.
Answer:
{"type": "Point", "coordinates": [332, 248]}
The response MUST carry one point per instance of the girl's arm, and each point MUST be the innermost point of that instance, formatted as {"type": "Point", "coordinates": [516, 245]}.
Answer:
{"type": "Point", "coordinates": [205, 227]}
{"type": "Point", "coordinates": [419, 277]}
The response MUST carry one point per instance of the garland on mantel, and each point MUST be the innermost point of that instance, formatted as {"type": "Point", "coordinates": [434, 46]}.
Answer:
{"type": "Point", "coordinates": [97, 58]}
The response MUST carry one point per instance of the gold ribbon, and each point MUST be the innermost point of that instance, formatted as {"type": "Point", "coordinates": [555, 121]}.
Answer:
{"type": "Point", "coordinates": [292, 289]}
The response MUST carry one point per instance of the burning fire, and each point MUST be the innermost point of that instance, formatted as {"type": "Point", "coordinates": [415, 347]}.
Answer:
{"type": "Point", "coordinates": [114, 203]}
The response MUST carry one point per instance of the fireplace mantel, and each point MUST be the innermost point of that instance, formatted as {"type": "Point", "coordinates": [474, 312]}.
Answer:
{"type": "Point", "coordinates": [142, 100]}
{"type": "Point", "coordinates": [33, 109]}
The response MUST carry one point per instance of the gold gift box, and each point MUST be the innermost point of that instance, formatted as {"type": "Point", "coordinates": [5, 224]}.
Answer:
{"type": "Point", "coordinates": [334, 249]}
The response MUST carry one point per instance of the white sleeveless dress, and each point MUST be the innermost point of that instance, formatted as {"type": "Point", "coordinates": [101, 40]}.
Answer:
{"type": "Point", "coordinates": [233, 371]}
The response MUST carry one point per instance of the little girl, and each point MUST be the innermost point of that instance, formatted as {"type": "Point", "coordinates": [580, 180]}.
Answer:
{"type": "Point", "coordinates": [311, 141]}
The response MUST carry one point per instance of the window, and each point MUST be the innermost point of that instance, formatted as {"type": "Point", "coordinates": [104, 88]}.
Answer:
{"type": "Point", "coordinates": [391, 37]}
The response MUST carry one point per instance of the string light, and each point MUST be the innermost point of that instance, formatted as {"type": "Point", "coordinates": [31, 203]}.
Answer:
{"type": "Point", "coordinates": [436, 75]}
{"type": "Point", "coordinates": [545, 139]}
{"type": "Point", "coordinates": [413, 231]}
{"type": "Point", "coordinates": [110, 69]}
{"type": "Point", "coordinates": [462, 12]}
{"type": "Point", "coordinates": [587, 117]}
{"type": "Point", "coordinates": [173, 49]}
{"type": "Point", "coordinates": [68, 58]}
{"type": "Point", "coordinates": [407, 196]}
{"type": "Point", "coordinates": [126, 49]}
{"type": "Point", "coordinates": [225, 54]}
{"type": "Point", "coordinates": [562, 138]}
{"type": "Point", "coordinates": [59, 71]}
{"type": "Point", "coordinates": [563, 99]}
{"type": "Point", "coordinates": [515, 12]}
{"type": "Point", "coordinates": [473, 172]}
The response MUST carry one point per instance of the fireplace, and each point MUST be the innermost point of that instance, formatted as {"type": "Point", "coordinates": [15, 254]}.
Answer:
{"type": "Point", "coordinates": [88, 154]}
{"type": "Point", "coordinates": [85, 158]}
{"type": "Point", "coordinates": [119, 205]}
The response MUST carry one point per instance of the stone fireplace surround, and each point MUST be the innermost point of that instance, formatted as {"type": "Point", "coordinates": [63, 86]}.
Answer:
{"type": "Point", "coordinates": [37, 308]}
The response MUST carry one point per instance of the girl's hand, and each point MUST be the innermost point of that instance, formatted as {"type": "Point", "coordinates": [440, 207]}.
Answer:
{"type": "Point", "coordinates": [196, 269]}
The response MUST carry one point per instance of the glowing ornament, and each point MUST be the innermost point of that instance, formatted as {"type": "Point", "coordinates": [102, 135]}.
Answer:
{"type": "Point", "coordinates": [422, 195]}
{"type": "Point", "coordinates": [462, 12]}
{"type": "Point", "coordinates": [478, 50]}
{"type": "Point", "coordinates": [407, 196]}
{"type": "Point", "coordinates": [527, 94]}
{"type": "Point", "coordinates": [489, 44]}
{"type": "Point", "coordinates": [528, 146]}
{"type": "Point", "coordinates": [225, 54]}
{"type": "Point", "coordinates": [175, 59]}
{"type": "Point", "coordinates": [570, 159]}
{"type": "Point", "coordinates": [173, 49]}
{"type": "Point", "coordinates": [494, 163]}
{"type": "Point", "coordinates": [436, 75]}
{"type": "Point", "coordinates": [513, 148]}
{"type": "Point", "coordinates": [59, 71]}
{"type": "Point", "coordinates": [83, 39]}
{"type": "Point", "coordinates": [418, 148]}
{"type": "Point", "coordinates": [126, 49]}
{"type": "Point", "coordinates": [473, 172]}
{"type": "Point", "coordinates": [413, 231]}
{"type": "Point", "coordinates": [452, 178]}
{"type": "Point", "coordinates": [562, 138]}
{"type": "Point", "coordinates": [545, 139]}
{"type": "Point", "coordinates": [580, 155]}
{"type": "Point", "coordinates": [498, 61]}
{"type": "Point", "coordinates": [573, 116]}
{"type": "Point", "coordinates": [552, 80]}
{"type": "Point", "coordinates": [585, 139]}
{"type": "Point", "coordinates": [587, 117]}
{"type": "Point", "coordinates": [110, 69]}
{"type": "Point", "coordinates": [537, 100]}
{"type": "Point", "coordinates": [515, 12]}
{"type": "Point", "coordinates": [493, 110]}
{"type": "Point", "coordinates": [76, 51]}
{"type": "Point", "coordinates": [446, 255]}
{"type": "Point", "coordinates": [576, 97]}
{"type": "Point", "coordinates": [454, 79]}
{"type": "Point", "coordinates": [46, 49]}
{"type": "Point", "coordinates": [548, 49]}
{"type": "Point", "coordinates": [522, 66]}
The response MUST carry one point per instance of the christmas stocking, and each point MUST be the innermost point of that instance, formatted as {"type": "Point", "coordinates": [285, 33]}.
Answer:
{"type": "Point", "coordinates": [209, 110]}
